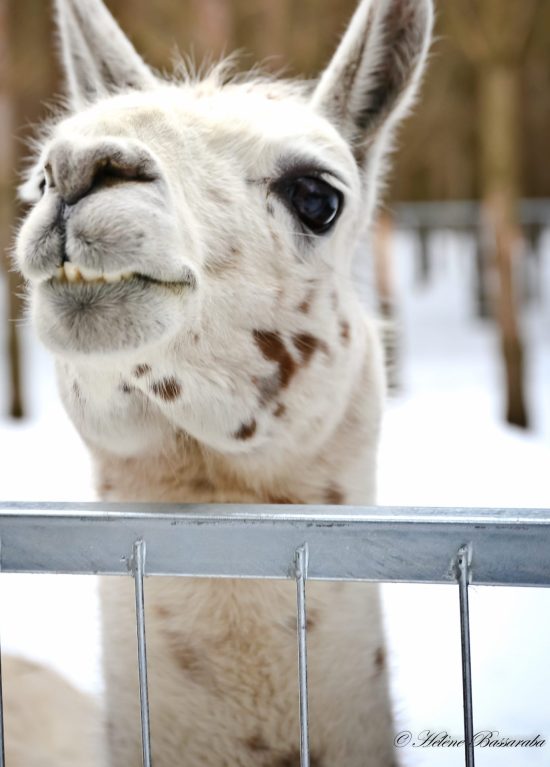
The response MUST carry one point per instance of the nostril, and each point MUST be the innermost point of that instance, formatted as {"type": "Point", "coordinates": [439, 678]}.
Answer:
{"type": "Point", "coordinates": [106, 174]}
{"type": "Point", "coordinates": [111, 173]}
{"type": "Point", "coordinates": [83, 168]}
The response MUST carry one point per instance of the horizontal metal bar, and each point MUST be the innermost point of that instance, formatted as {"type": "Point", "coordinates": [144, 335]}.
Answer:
{"type": "Point", "coordinates": [512, 547]}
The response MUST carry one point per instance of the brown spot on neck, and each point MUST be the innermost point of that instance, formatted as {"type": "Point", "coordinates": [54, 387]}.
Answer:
{"type": "Point", "coordinates": [256, 743]}
{"type": "Point", "coordinates": [105, 488]}
{"type": "Point", "coordinates": [247, 430]}
{"type": "Point", "coordinates": [283, 500]}
{"type": "Point", "coordinates": [168, 389]}
{"type": "Point", "coordinates": [334, 496]}
{"type": "Point", "coordinates": [280, 410]}
{"type": "Point", "coordinates": [311, 623]}
{"type": "Point", "coordinates": [305, 306]}
{"type": "Point", "coordinates": [272, 756]}
{"type": "Point", "coordinates": [379, 659]}
{"type": "Point", "coordinates": [273, 348]}
{"type": "Point", "coordinates": [141, 370]}
{"type": "Point", "coordinates": [202, 485]}
{"type": "Point", "coordinates": [307, 345]}
{"type": "Point", "coordinates": [345, 332]}
{"type": "Point", "coordinates": [292, 759]}
{"type": "Point", "coordinates": [195, 665]}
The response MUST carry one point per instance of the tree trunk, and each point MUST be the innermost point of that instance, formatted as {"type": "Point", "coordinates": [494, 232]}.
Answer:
{"type": "Point", "coordinates": [500, 145]}
{"type": "Point", "coordinates": [483, 308]}
{"type": "Point", "coordinates": [27, 81]}
{"type": "Point", "coordinates": [263, 28]}
{"type": "Point", "coordinates": [213, 28]}
{"type": "Point", "coordinates": [385, 290]}
{"type": "Point", "coordinates": [7, 161]}
{"type": "Point", "coordinates": [423, 263]}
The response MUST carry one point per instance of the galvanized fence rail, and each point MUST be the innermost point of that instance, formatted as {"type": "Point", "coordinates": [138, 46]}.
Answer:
{"type": "Point", "coordinates": [500, 547]}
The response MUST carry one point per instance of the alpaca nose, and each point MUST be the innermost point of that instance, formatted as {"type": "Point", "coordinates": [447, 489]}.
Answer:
{"type": "Point", "coordinates": [76, 169]}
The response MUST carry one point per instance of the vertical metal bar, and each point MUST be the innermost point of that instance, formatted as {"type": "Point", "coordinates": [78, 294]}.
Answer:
{"type": "Point", "coordinates": [2, 756]}
{"type": "Point", "coordinates": [139, 571]}
{"type": "Point", "coordinates": [463, 566]}
{"type": "Point", "coordinates": [301, 575]}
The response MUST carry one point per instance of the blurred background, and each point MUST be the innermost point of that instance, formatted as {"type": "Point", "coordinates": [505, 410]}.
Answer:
{"type": "Point", "coordinates": [458, 262]}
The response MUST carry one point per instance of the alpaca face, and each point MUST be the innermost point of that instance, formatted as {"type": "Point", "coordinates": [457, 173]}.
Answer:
{"type": "Point", "coordinates": [203, 256]}
{"type": "Point", "coordinates": [168, 214]}
{"type": "Point", "coordinates": [190, 244]}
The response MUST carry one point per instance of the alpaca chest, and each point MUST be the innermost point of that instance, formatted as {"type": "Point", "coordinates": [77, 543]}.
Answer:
{"type": "Point", "coordinates": [223, 674]}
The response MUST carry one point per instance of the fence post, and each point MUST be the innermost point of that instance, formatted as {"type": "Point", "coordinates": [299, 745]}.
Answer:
{"type": "Point", "coordinates": [138, 567]}
{"type": "Point", "coordinates": [463, 569]}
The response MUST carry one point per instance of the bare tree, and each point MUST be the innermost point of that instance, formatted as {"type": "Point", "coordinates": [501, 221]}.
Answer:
{"type": "Point", "coordinates": [383, 248]}
{"type": "Point", "coordinates": [27, 80]}
{"type": "Point", "coordinates": [12, 351]}
{"type": "Point", "coordinates": [495, 37]}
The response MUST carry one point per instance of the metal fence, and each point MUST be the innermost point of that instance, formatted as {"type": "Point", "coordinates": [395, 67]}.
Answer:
{"type": "Point", "coordinates": [464, 214]}
{"type": "Point", "coordinates": [500, 547]}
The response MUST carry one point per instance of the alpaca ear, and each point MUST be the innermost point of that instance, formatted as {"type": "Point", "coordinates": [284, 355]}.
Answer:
{"type": "Point", "coordinates": [376, 70]}
{"type": "Point", "coordinates": [99, 59]}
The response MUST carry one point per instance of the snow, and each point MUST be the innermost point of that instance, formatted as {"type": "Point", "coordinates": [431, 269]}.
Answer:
{"type": "Point", "coordinates": [444, 443]}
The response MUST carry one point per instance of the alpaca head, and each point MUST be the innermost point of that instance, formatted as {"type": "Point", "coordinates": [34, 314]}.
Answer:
{"type": "Point", "coordinates": [192, 240]}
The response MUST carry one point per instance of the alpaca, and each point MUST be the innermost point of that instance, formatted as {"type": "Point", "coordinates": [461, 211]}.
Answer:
{"type": "Point", "coordinates": [189, 257]}
{"type": "Point", "coordinates": [62, 734]}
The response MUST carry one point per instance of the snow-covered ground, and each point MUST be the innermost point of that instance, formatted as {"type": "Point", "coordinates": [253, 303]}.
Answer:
{"type": "Point", "coordinates": [444, 444]}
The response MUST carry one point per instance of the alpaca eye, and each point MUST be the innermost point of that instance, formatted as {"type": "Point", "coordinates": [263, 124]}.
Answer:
{"type": "Point", "coordinates": [42, 186]}
{"type": "Point", "coordinates": [316, 203]}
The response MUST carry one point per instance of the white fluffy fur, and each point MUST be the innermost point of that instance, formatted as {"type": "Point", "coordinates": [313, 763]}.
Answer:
{"type": "Point", "coordinates": [46, 721]}
{"type": "Point", "coordinates": [242, 369]}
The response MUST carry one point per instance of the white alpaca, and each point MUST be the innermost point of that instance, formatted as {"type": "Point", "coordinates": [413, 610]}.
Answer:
{"type": "Point", "coordinates": [47, 722]}
{"type": "Point", "coordinates": [189, 257]}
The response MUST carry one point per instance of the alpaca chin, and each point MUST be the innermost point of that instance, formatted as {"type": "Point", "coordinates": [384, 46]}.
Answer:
{"type": "Point", "coordinates": [98, 319]}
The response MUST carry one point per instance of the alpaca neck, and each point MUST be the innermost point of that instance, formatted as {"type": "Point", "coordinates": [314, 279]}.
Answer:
{"type": "Point", "coordinates": [339, 469]}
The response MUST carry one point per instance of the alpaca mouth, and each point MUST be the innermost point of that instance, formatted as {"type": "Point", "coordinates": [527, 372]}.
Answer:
{"type": "Point", "coordinates": [69, 274]}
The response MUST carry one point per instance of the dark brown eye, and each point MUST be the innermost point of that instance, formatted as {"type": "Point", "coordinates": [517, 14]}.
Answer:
{"type": "Point", "coordinates": [316, 203]}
